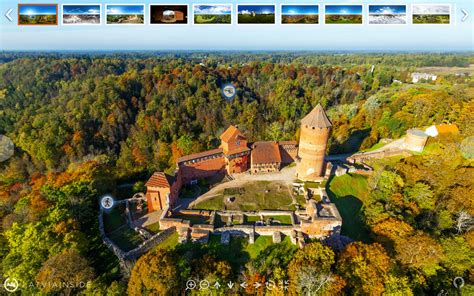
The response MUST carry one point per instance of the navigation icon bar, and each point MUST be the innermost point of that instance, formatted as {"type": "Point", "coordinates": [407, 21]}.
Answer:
{"type": "Point", "coordinates": [8, 14]}
{"type": "Point", "coordinates": [466, 15]}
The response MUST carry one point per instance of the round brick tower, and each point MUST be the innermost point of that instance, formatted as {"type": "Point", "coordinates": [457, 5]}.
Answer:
{"type": "Point", "coordinates": [315, 132]}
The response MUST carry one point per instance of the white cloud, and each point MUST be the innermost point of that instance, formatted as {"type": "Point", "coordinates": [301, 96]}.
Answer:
{"type": "Point", "coordinates": [216, 9]}
{"type": "Point", "coordinates": [431, 9]}
{"type": "Point", "coordinates": [245, 12]}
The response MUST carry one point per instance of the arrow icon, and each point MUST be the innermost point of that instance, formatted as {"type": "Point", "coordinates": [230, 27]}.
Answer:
{"type": "Point", "coordinates": [230, 285]}
{"type": "Point", "coordinates": [243, 285]}
{"type": "Point", "coordinates": [257, 285]}
{"type": "Point", "coordinates": [466, 15]}
{"type": "Point", "coordinates": [8, 16]}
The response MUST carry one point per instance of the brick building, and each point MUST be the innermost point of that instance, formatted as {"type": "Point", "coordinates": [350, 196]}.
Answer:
{"type": "Point", "coordinates": [162, 190]}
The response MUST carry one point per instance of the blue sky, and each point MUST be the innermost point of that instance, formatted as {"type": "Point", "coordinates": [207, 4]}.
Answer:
{"type": "Point", "coordinates": [456, 36]}
{"type": "Point", "coordinates": [81, 9]}
{"type": "Point", "coordinates": [213, 9]}
{"type": "Point", "coordinates": [343, 9]}
{"type": "Point", "coordinates": [37, 9]}
{"type": "Point", "coordinates": [387, 9]}
{"type": "Point", "coordinates": [125, 9]}
{"type": "Point", "coordinates": [299, 9]}
{"type": "Point", "coordinates": [265, 9]}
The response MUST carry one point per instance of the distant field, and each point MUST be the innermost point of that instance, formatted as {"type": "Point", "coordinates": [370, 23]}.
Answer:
{"type": "Point", "coordinates": [344, 19]}
{"type": "Point", "coordinates": [257, 19]}
{"type": "Point", "coordinates": [38, 20]}
{"type": "Point", "coordinates": [430, 19]}
{"type": "Point", "coordinates": [299, 19]}
{"type": "Point", "coordinates": [125, 19]}
{"type": "Point", "coordinates": [212, 19]}
{"type": "Point", "coordinates": [447, 70]}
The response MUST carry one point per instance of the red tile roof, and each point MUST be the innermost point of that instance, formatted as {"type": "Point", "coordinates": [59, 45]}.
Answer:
{"type": "Point", "coordinates": [317, 118]}
{"type": "Point", "coordinates": [199, 155]}
{"type": "Point", "coordinates": [230, 133]}
{"type": "Point", "coordinates": [265, 152]}
{"type": "Point", "coordinates": [161, 180]}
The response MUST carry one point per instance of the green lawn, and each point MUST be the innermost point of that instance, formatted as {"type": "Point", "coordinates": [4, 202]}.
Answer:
{"type": "Point", "coordinates": [126, 238]}
{"type": "Point", "coordinates": [170, 242]}
{"type": "Point", "coordinates": [284, 219]}
{"type": "Point", "coordinates": [253, 196]}
{"type": "Point", "coordinates": [155, 227]}
{"type": "Point", "coordinates": [195, 219]}
{"type": "Point", "coordinates": [261, 242]}
{"type": "Point", "coordinates": [114, 219]}
{"type": "Point", "coordinates": [348, 192]}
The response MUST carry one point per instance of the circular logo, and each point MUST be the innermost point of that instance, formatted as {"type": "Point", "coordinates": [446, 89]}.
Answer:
{"type": "Point", "coordinates": [6, 148]}
{"type": "Point", "coordinates": [107, 202]}
{"type": "Point", "coordinates": [11, 285]}
{"type": "Point", "coordinates": [229, 91]}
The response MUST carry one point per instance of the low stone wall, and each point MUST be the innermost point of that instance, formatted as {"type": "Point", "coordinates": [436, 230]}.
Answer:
{"type": "Point", "coordinates": [149, 244]}
{"type": "Point", "coordinates": [269, 230]}
{"type": "Point", "coordinates": [195, 212]}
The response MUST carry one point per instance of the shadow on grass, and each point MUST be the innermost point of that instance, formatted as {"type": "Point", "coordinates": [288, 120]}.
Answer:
{"type": "Point", "coordinates": [350, 208]}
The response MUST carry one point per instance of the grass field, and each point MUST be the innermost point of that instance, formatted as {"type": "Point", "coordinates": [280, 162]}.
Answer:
{"type": "Point", "coordinates": [38, 19]}
{"type": "Point", "coordinates": [258, 195]}
{"type": "Point", "coordinates": [300, 19]}
{"type": "Point", "coordinates": [431, 18]}
{"type": "Point", "coordinates": [155, 227]}
{"type": "Point", "coordinates": [212, 19]}
{"type": "Point", "coordinates": [257, 19]}
{"type": "Point", "coordinates": [195, 219]}
{"type": "Point", "coordinates": [126, 238]}
{"type": "Point", "coordinates": [114, 219]}
{"type": "Point", "coordinates": [169, 243]}
{"type": "Point", "coordinates": [348, 192]}
{"type": "Point", "coordinates": [126, 19]}
{"type": "Point", "coordinates": [343, 19]}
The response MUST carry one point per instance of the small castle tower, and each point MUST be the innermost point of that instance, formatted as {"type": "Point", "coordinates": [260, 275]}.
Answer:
{"type": "Point", "coordinates": [315, 131]}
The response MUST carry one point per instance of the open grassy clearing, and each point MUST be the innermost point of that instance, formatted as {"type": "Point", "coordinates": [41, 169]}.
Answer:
{"type": "Point", "coordinates": [348, 192]}
{"type": "Point", "coordinates": [258, 195]}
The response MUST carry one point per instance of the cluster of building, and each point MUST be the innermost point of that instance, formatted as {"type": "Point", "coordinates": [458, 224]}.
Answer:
{"type": "Point", "coordinates": [237, 155]}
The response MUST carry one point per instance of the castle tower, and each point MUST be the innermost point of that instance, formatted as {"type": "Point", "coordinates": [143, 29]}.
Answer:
{"type": "Point", "coordinates": [315, 131]}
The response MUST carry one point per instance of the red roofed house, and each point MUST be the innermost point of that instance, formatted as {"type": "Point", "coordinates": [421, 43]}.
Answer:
{"type": "Point", "coordinates": [265, 157]}
{"type": "Point", "coordinates": [235, 147]}
{"type": "Point", "coordinates": [162, 190]}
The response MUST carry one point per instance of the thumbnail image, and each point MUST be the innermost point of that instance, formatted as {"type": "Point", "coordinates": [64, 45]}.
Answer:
{"type": "Point", "coordinates": [299, 14]}
{"type": "Point", "coordinates": [168, 14]}
{"type": "Point", "coordinates": [37, 14]}
{"type": "Point", "coordinates": [387, 14]}
{"type": "Point", "coordinates": [256, 14]}
{"type": "Point", "coordinates": [431, 14]}
{"type": "Point", "coordinates": [343, 14]}
{"type": "Point", "coordinates": [125, 14]}
{"type": "Point", "coordinates": [81, 14]}
{"type": "Point", "coordinates": [213, 14]}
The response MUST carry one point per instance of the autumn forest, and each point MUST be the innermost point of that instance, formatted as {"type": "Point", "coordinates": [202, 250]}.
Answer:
{"type": "Point", "coordinates": [83, 124]}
